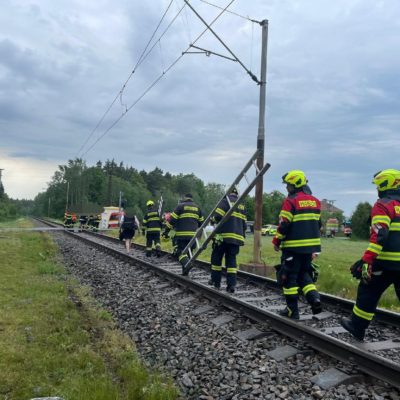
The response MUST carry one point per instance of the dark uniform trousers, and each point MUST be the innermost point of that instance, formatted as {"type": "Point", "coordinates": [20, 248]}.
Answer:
{"type": "Point", "coordinates": [230, 251]}
{"type": "Point", "coordinates": [181, 243]}
{"type": "Point", "coordinates": [369, 293]}
{"type": "Point", "coordinates": [153, 237]}
{"type": "Point", "coordinates": [297, 269]}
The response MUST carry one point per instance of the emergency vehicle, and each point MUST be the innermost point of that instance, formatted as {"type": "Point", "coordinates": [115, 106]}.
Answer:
{"type": "Point", "coordinates": [110, 218]}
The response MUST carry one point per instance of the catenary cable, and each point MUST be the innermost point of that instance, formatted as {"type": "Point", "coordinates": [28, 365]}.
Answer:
{"type": "Point", "coordinates": [140, 60]}
{"type": "Point", "coordinates": [230, 12]}
{"type": "Point", "coordinates": [156, 80]}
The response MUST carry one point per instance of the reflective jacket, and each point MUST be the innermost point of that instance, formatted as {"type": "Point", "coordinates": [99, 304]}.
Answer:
{"type": "Point", "coordinates": [185, 219]}
{"type": "Point", "coordinates": [384, 242]}
{"type": "Point", "coordinates": [299, 224]}
{"type": "Point", "coordinates": [232, 231]}
{"type": "Point", "coordinates": [152, 220]}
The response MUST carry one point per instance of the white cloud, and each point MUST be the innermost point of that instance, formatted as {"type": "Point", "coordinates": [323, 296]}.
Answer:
{"type": "Point", "coordinates": [332, 92]}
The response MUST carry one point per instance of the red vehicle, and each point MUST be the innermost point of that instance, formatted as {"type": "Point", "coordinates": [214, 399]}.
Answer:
{"type": "Point", "coordinates": [347, 231]}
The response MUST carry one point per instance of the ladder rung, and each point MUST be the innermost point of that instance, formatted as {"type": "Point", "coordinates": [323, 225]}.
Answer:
{"type": "Point", "coordinates": [247, 179]}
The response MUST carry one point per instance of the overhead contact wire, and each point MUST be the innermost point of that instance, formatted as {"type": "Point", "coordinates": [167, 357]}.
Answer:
{"type": "Point", "coordinates": [140, 60]}
{"type": "Point", "coordinates": [230, 12]}
{"type": "Point", "coordinates": [156, 80]}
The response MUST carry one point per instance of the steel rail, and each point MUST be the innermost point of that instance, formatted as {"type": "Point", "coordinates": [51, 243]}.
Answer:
{"type": "Point", "coordinates": [372, 364]}
{"type": "Point", "coordinates": [381, 315]}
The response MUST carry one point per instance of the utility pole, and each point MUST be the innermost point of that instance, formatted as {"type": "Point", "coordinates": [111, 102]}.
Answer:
{"type": "Point", "coordinates": [260, 146]}
{"type": "Point", "coordinates": [66, 204]}
{"type": "Point", "coordinates": [48, 209]}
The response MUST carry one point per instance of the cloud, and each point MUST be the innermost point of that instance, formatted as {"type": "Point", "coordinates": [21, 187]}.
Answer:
{"type": "Point", "coordinates": [332, 89]}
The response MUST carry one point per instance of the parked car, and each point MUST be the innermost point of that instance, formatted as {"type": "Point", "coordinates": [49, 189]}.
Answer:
{"type": "Point", "coordinates": [268, 230]}
{"type": "Point", "coordinates": [347, 231]}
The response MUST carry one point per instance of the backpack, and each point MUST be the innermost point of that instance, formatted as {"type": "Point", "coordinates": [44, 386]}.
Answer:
{"type": "Point", "coordinates": [130, 223]}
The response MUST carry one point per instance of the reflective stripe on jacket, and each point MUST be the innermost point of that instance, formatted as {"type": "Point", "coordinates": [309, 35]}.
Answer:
{"type": "Point", "coordinates": [299, 223]}
{"type": "Point", "coordinates": [232, 231]}
{"type": "Point", "coordinates": [384, 243]}
{"type": "Point", "coordinates": [152, 221]}
{"type": "Point", "coordinates": [185, 219]}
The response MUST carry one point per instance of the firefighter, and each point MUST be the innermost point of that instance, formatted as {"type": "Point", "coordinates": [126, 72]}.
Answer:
{"type": "Point", "coordinates": [68, 223]}
{"type": "Point", "coordinates": [152, 227]}
{"type": "Point", "coordinates": [185, 220]}
{"type": "Point", "coordinates": [379, 267]}
{"type": "Point", "coordinates": [298, 236]}
{"type": "Point", "coordinates": [96, 222]}
{"type": "Point", "coordinates": [82, 222]}
{"type": "Point", "coordinates": [227, 241]}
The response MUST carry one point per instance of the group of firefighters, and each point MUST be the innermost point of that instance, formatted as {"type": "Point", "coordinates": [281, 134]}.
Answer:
{"type": "Point", "coordinates": [298, 238]}
{"type": "Point", "coordinates": [86, 222]}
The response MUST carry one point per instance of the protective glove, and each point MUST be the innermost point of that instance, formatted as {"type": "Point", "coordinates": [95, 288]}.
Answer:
{"type": "Point", "coordinates": [276, 243]}
{"type": "Point", "coordinates": [356, 269]}
{"type": "Point", "coordinates": [218, 239]}
{"type": "Point", "coordinates": [165, 234]}
{"type": "Point", "coordinates": [366, 272]}
{"type": "Point", "coordinates": [315, 271]}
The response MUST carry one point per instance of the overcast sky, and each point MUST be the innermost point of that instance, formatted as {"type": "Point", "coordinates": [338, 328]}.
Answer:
{"type": "Point", "coordinates": [333, 104]}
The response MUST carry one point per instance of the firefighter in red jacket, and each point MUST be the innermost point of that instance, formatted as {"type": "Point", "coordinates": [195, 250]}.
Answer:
{"type": "Point", "coordinates": [298, 236]}
{"type": "Point", "coordinates": [379, 267]}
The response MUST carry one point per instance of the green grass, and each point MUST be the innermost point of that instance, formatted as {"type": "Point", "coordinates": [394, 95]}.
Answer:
{"type": "Point", "coordinates": [335, 260]}
{"type": "Point", "coordinates": [55, 340]}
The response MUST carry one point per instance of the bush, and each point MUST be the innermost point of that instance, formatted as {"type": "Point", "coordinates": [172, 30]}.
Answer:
{"type": "Point", "coordinates": [360, 220]}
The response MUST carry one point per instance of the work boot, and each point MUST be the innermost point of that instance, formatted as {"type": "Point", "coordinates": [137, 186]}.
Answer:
{"type": "Point", "coordinates": [289, 313]}
{"type": "Point", "coordinates": [316, 307]}
{"type": "Point", "coordinates": [348, 324]}
{"type": "Point", "coordinates": [230, 289]}
{"type": "Point", "coordinates": [215, 284]}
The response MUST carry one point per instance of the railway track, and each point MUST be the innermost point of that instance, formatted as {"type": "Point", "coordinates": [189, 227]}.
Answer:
{"type": "Point", "coordinates": [259, 299]}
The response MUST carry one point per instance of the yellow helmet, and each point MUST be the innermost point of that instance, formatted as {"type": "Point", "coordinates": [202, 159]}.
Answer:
{"type": "Point", "coordinates": [296, 178]}
{"type": "Point", "coordinates": [387, 179]}
{"type": "Point", "coordinates": [150, 203]}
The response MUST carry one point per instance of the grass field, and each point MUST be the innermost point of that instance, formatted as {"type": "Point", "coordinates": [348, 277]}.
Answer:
{"type": "Point", "coordinates": [54, 339]}
{"type": "Point", "coordinates": [335, 260]}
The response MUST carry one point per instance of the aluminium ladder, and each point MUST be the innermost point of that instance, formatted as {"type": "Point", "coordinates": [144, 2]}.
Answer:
{"type": "Point", "coordinates": [196, 240]}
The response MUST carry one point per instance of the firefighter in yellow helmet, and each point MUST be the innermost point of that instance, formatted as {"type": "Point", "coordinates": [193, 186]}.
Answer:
{"type": "Point", "coordinates": [298, 236]}
{"type": "Point", "coordinates": [379, 267]}
{"type": "Point", "coordinates": [152, 226]}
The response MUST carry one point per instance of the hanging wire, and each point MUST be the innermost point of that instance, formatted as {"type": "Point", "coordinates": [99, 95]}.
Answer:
{"type": "Point", "coordinates": [156, 80]}
{"type": "Point", "coordinates": [230, 12]}
{"type": "Point", "coordinates": [119, 95]}
{"type": "Point", "coordinates": [187, 24]}
{"type": "Point", "coordinates": [162, 58]}
{"type": "Point", "coordinates": [164, 32]}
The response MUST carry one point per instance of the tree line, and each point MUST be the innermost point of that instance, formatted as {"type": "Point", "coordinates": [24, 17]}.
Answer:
{"type": "Point", "coordinates": [87, 189]}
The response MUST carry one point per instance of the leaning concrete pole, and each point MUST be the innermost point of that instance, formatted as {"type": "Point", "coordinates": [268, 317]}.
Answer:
{"type": "Point", "coordinates": [260, 146]}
